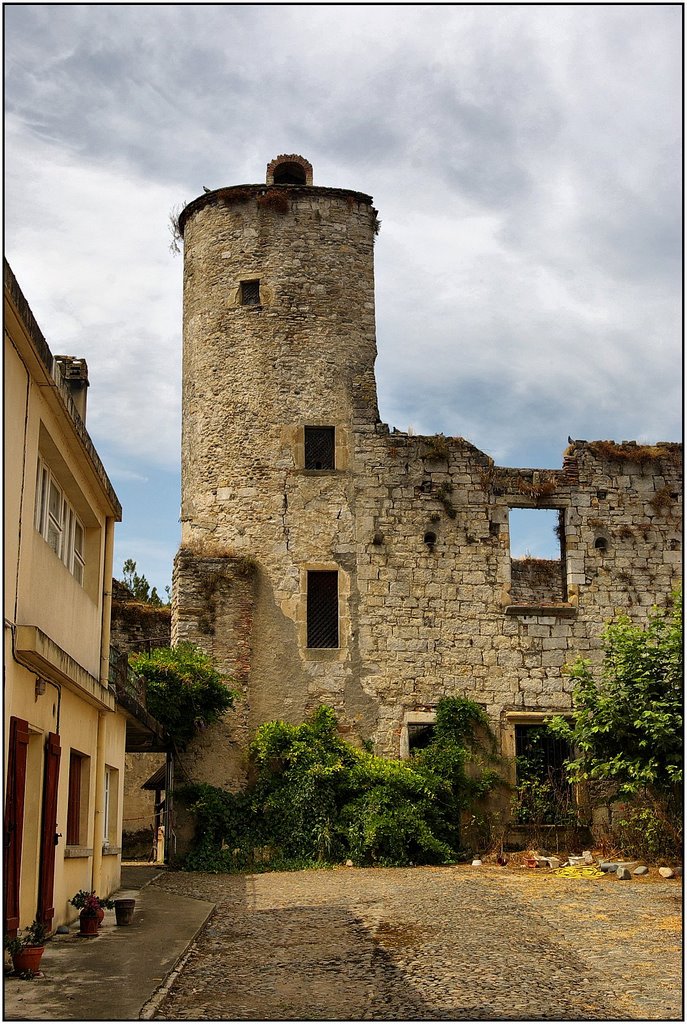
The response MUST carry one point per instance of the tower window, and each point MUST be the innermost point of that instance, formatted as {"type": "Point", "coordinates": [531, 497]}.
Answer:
{"type": "Point", "coordinates": [319, 448]}
{"type": "Point", "coordinates": [323, 609]}
{"type": "Point", "coordinates": [250, 293]}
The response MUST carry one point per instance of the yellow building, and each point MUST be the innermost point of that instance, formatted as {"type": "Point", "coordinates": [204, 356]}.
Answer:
{"type": "Point", "coordinates": [65, 735]}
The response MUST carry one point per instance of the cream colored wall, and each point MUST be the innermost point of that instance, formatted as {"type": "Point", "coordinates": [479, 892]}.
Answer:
{"type": "Point", "coordinates": [40, 591]}
{"type": "Point", "coordinates": [14, 421]}
{"type": "Point", "coordinates": [114, 758]}
{"type": "Point", "coordinates": [74, 621]}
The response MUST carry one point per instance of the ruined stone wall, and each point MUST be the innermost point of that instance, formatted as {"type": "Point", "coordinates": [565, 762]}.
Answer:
{"type": "Point", "coordinates": [430, 603]}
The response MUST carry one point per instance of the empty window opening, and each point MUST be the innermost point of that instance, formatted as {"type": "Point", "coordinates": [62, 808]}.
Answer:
{"type": "Point", "coordinates": [601, 544]}
{"type": "Point", "coordinates": [537, 556]}
{"type": "Point", "coordinates": [289, 174]}
{"type": "Point", "coordinates": [250, 293]}
{"type": "Point", "coordinates": [430, 538]}
{"type": "Point", "coordinates": [543, 794]}
{"type": "Point", "coordinates": [319, 448]}
{"type": "Point", "coordinates": [77, 799]}
{"type": "Point", "coordinates": [420, 735]}
{"type": "Point", "coordinates": [323, 609]}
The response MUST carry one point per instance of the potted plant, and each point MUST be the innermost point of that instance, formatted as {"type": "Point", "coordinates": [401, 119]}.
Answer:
{"type": "Point", "coordinates": [26, 951]}
{"type": "Point", "coordinates": [92, 911]}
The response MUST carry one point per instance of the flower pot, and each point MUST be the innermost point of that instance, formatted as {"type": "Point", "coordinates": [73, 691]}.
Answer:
{"type": "Point", "coordinates": [28, 959]}
{"type": "Point", "coordinates": [101, 916]}
{"type": "Point", "coordinates": [124, 911]}
{"type": "Point", "coordinates": [88, 926]}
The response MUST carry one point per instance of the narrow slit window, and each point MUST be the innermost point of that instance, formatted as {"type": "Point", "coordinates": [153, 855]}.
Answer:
{"type": "Point", "coordinates": [323, 609]}
{"type": "Point", "coordinates": [74, 800]}
{"type": "Point", "coordinates": [319, 448]}
{"type": "Point", "coordinates": [250, 293]}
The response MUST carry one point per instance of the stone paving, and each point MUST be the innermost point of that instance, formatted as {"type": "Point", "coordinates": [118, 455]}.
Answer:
{"type": "Point", "coordinates": [456, 943]}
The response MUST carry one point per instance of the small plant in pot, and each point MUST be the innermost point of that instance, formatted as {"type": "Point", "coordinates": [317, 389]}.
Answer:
{"type": "Point", "coordinates": [26, 950]}
{"type": "Point", "coordinates": [92, 911]}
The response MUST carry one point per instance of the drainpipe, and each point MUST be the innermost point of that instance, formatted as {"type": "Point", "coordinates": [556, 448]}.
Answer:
{"type": "Point", "coordinates": [98, 836]}
{"type": "Point", "coordinates": [107, 602]}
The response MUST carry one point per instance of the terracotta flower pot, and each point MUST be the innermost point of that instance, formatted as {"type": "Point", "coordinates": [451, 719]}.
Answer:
{"type": "Point", "coordinates": [29, 959]}
{"type": "Point", "coordinates": [88, 925]}
{"type": "Point", "coordinates": [101, 916]}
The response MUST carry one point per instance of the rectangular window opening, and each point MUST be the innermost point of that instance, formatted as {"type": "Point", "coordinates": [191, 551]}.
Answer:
{"type": "Point", "coordinates": [537, 556]}
{"type": "Point", "coordinates": [543, 794]}
{"type": "Point", "coordinates": [323, 609]}
{"type": "Point", "coordinates": [250, 293]}
{"type": "Point", "coordinates": [320, 448]}
{"type": "Point", "coordinates": [74, 801]}
{"type": "Point", "coordinates": [420, 735]}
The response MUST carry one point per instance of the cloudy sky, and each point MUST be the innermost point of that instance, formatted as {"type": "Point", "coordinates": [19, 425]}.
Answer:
{"type": "Point", "coordinates": [525, 162]}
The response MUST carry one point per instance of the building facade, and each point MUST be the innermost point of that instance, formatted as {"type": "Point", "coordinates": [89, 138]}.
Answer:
{"type": "Point", "coordinates": [327, 559]}
{"type": "Point", "coordinates": [64, 733]}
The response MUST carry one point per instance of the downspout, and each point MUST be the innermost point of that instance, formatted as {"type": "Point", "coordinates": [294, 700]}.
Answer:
{"type": "Point", "coordinates": [98, 836]}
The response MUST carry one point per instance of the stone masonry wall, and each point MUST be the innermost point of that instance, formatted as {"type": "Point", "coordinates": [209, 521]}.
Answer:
{"type": "Point", "coordinates": [417, 528]}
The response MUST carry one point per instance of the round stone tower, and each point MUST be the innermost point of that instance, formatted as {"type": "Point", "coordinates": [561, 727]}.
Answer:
{"type": "Point", "coordinates": [279, 336]}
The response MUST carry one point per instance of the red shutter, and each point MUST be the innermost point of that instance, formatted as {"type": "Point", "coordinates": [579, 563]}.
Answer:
{"type": "Point", "coordinates": [46, 877]}
{"type": "Point", "coordinates": [14, 820]}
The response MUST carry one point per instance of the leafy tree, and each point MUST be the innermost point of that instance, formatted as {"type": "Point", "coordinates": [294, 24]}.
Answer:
{"type": "Point", "coordinates": [139, 586]}
{"type": "Point", "coordinates": [184, 690]}
{"type": "Point", "coordinates": [626, 725]}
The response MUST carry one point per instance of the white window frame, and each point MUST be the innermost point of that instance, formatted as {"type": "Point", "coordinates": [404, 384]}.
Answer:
{"type": "Point", "coordinates": [60, 526]}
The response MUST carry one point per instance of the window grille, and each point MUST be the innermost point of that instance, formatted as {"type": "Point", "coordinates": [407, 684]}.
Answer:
{"type": "Point", "coordinates": [323, 609]}
{"type": "Point", "coordinates": [319, 448]}
{"type": "Point", "coordinates": [250, 293]}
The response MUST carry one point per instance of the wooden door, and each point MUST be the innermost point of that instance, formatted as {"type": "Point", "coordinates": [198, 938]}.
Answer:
{"type": "Point", "coordinates": [14, 821]}
{"type": "Point", "coordinates": [46, 871]}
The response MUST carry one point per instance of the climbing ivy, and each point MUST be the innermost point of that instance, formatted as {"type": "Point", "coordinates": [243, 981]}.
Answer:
{"type": "Point", "coordinates": [316, 799]}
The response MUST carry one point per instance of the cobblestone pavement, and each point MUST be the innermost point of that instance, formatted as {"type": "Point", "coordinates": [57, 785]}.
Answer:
{"type": "Point", "coordinates": [455, 943]}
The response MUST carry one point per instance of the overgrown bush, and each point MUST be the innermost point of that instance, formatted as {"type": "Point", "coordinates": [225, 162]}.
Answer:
{"type": "Point", "coordinates": [184, 690]}
{"type": "Point", "coordinates": [317, 799]}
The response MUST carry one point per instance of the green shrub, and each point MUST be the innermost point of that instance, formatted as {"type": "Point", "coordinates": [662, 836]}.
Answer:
{"type": "Point", "coordinates": [184, 690]}
{"type": "Point", "coordinates": [317, 799]}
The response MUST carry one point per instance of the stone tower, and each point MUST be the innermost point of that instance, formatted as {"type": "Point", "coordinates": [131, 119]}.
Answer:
{"type": "Point", "coordinates": [328, 560]}
{"type": "Point", "coordinates": [278, 375]}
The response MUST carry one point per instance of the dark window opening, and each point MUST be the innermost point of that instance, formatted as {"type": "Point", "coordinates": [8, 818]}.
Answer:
{"type": "Point", "coordinates": [319, 448]}
{"type": "Point", "coordinates": [250, 293]}
{"type": "Point", "coordinates": [544, 796]}
{"type": "Point", "coordinates": [420, 735]}
{"type": "Point", "coordinates": [74, 800]}
{"type": "Point", "coordinates": [430, 538]}
{"type": "Point", "coordinates": [289, 174]}
{"type": "Point", "coordinates": [323, 609]}
{"type": "Point", "coordinates": [601, 544]}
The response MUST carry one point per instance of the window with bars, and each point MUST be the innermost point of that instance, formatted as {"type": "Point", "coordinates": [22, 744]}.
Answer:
{"type": "Point", "coordinates": [58, 523]}
{"type": "Point", "coordinates": [323, 609]}
{"type": "Point", "coordinates": [250, 293]}
{"type": "Point", "coordinates": [319, 448]}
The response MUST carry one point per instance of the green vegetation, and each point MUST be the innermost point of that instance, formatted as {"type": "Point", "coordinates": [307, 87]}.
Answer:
{"type": "Point", "coordinates": [139, 586]}
{"type": "Point", "coordinates": [317, 800]}
{"type": "Point", "coordinates": [626, 728]}
{"type": "Point", "coordinates": [184, 690]}
{"type": "Point", "coordinates": [626, 725]}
